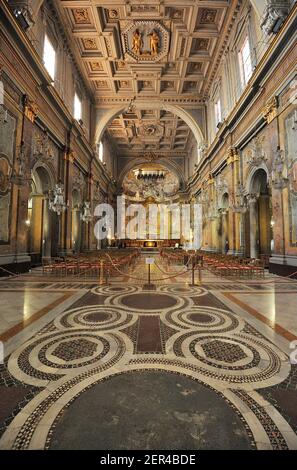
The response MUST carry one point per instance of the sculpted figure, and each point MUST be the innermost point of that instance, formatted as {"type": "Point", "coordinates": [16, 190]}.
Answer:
{"type": "Point", "coordinates": [154, 43]}
{"type": "Point", "coordinates": [137, 43]}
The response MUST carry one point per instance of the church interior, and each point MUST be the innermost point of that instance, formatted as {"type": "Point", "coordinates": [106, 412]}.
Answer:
{"type": "Point", "coordinates": [178, 330]}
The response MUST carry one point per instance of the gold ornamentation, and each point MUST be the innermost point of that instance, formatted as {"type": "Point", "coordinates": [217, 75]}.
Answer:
{"type": "Point", "coordinates": [269, 111]}
{"type": "Point", "coordinates": [154, 43]}
{"type": "Point", "coordinates": [89, 44]}
{"type": "Point", "coordinates": [96, 66]}
{"type": "Point", "coordinates": [31, 110]}
{"type": "Point", "coordinates": [113, 14]}
{"type": "Point", "coordinates": [137, 43]}
{"type": "Point", "coordinates": [81, 16]}
{"type": "Point", "coordinates": [70, 156]}
{"type": "Point", "coordinates": [232, 155]}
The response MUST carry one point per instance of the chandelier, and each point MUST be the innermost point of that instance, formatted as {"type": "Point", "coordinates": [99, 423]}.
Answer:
{"type": "Point", "coordinates": [86, 216]}
{"type": "Point", "coordinates": [56, 201]}
{"type": "Point", "coordinates": [149, 175]}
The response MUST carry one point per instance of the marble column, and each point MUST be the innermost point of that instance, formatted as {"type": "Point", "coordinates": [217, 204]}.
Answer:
{"type": "Point", "coordinates": [254, 227]}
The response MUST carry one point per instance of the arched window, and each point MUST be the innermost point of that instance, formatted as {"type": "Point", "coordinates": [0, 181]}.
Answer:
{"type": "Point", "coordinates": [101, 152]}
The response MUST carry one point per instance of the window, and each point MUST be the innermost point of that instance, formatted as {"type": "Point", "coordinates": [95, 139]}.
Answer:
{"type": "Point", "coordinates": [49, 57]}
{"type": "Point", "coordinates": [245, 62]}
{"type": "Point", "coordinates": [218, 112]}
{"type": "Point", "coordinates": [77, 107]}
{"type": "Point", "coordinates": [101, 152]}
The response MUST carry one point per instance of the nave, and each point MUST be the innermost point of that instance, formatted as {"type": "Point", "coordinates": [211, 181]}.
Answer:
{"type": "Point", "coordinates": [165, 365]}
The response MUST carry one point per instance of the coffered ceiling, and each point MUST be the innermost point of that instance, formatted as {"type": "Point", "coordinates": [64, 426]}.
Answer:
{"type": "Point", "coordinates": [191, 36]}
{"type": "Point", "coordinates": [150, 130]}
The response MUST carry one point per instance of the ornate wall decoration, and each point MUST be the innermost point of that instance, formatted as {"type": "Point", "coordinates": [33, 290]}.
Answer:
{"type": "Point", "coordinates": [43, 150]}
{"type": "Point", "coordinates": [144, 189]}
{"type": "Point", "coordinates": [31, 110]}
{"type": "Point", "coordinates": [256, 154]}
{"type": "Point", "coordinates": [7, 149]}
{"type": "Point", "coordinates": [145, 41]}
{"type": "Point", "coordinates": [291, 157]}
{"type": "Point", "coordinates": [5, 172]}
{"type": "Point", "coordinates": [274, 15]}
{"type": "Point", "coordinates": [270, 109]}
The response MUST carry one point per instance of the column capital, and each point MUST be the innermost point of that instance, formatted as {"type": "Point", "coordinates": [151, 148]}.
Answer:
{"type": "Point", "coordinates": [232, 155]}
{"type": "Point", "coordinates": [252, 198]}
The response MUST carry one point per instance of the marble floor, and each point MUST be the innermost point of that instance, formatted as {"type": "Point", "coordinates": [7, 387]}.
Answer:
{"type": "Point", "coordinates": [132, 365]}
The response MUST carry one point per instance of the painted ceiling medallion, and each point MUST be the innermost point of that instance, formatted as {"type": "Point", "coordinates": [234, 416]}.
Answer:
{"type": "Point", "coordinates": [145, 41]}
{"type": "Point", "coordinates": [151, 129]}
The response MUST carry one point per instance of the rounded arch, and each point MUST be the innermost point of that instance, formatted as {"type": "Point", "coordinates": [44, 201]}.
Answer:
{"type": "Point", "coordinates": [43, 178]}
{"type": "Point", "coordinates": [162, 161]}
{"type": "Point", "coordinates": [111, 114]}
{"type": "Point", "coordinates": [251, 181]}
{"type": "Point", "coordinates": [76, 197]}
{"type": "Point", "coordinates": [223, 201]}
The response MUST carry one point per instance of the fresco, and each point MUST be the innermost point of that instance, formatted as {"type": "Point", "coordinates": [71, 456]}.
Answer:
{"type": "Point", "coordinates": [158, 190]}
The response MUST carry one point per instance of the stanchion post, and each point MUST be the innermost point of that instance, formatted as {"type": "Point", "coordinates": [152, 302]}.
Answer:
{"type": "Point", "coordinates": [199, 274]}
{"type": "Point", "coordinates": [149, 274]}
{"type": "Point", "coordinates": [101, 278]}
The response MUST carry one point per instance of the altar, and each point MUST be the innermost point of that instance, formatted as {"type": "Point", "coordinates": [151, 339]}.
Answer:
{"type": "Point", "coordinates": [149, 244]}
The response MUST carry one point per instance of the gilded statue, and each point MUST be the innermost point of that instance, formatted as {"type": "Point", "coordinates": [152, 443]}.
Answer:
{"type": "Point", "coordinates": [154, 43]}
{"type": "Point", "coordinates": [137, 43]}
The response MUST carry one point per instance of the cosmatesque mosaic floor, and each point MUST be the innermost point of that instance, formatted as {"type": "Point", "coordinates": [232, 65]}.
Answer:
{"type": "Point", "coordinates": [125, 366]}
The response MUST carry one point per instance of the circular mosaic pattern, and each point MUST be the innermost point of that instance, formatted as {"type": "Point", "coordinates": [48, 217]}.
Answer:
{"type": "Point", "coordinates": [152, 302]}
{"type": "Point", "coordinates": [56, 354]}
{"type": "Point", "coordinates": [148, 301]}
{"type": "Point", "coordinates": [114, 289]}
{"type": "Point", "coordinates": [183, 289]}
{"type": "Point", "coordinates": [225, 352]}
{"type": "Point", "coordinates": [200, 317]}
{"type": "Point", "coordinates": [221, 357]}
{"type": "Point", "coordinates": [206, 319]}
{"type": "Point", "coordinates": [99, 317]}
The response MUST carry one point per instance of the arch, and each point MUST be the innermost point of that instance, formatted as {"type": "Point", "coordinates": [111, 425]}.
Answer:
{"type": "Point", "coordinates": [105, 119]}
{"type": "Point", "coordinates": [43, 178]}
{"type": "Point", "coordinates": [76, 197]}
{"type": "Point", "coordinates": [260, 237]}
{"type": "Point", "coordinates": [250, 181]}
{"type": "Point", "coordinates": [172, 166]}
{"type": "Point", "coordinates": [223, 200]}
{"type": "Point", "coordinates": [44, 232]}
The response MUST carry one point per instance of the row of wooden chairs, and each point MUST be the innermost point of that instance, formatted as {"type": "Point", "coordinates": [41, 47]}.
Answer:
{"type": "Point", "coordinates": [229, 266]}
{"type": "Point", "coordinates": [88, 266]}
